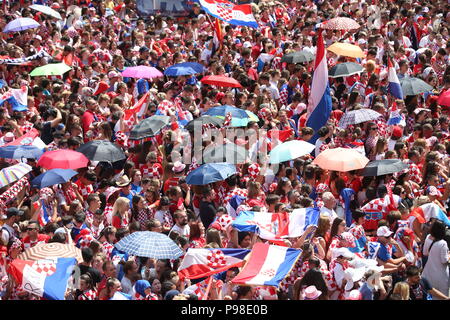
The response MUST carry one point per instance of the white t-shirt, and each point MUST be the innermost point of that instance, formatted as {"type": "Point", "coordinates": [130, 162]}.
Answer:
{"type": "Point", "coordinates": [318, 144]}
{"type": "Point", "coordinates": [127, 287]}
{"type": "Point", "coordinates": [184, 231]}
{"type": "Point", "coordinates": [329, 213]}
{"type": "Point", "coordinates": [274, 92]}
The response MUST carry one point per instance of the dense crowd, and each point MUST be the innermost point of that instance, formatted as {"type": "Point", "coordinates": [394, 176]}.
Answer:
{"type": "Point", "coordinates": [105, 202]}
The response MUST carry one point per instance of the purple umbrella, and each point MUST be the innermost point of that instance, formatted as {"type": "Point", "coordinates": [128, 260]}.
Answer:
{"type": "Point", "coordinates": [21, 24]}
{"type": "Point", "coordinates": [142, 72]}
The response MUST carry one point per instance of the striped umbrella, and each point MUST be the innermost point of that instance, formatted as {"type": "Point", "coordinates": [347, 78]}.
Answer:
{"type": "Point", "coordinates": [340, 23]}
{"type": "Point", "coordinates": [149, 244]}
{"type": "Point", "coordinates": [13, 173]}
{"type": "Point", "coordinates": [50, 251]}
{"type": "Point", "coordinates": [340, 159]}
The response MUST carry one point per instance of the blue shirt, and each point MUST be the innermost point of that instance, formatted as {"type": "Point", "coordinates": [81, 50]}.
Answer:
{"type": "Point", "coordinates": [385, 253]}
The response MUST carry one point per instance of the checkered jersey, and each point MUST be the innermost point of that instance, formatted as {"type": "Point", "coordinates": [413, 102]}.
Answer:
{"type": "Point", "coordinates": [382, 126]}
{"type": "Point", "coordinates": [166, 108]}
{"type": "Point", "coordinates": [90, 294]}
{"type": "Point", "coordinates": [84, 190]}
{"type": "Point", "coordinates": [284, 96]}
{"type": "Point", "coordinates": [107, 249]}
{"type": "Point", "coordinates": [107, 213]}
{"type": "Point", "coordinates": [357, 231]}
{"type": "Point", "coordinates": [26, 127]}
{"type": "Point", "coordinates": [414, 172]}
{"type": "Point", "coordinates": [155, 170]}
{"type": "Point", "coordinates": [235, 192]}
{"type": "Point", "coordinates": [276, 63]}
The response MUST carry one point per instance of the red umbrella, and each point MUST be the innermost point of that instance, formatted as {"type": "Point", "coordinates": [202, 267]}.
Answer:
{"type": "Point", "coordinates": [63, 159]}
{"type": "Point", "coordinates": [444, 99]}
{"type": "Point", "coordinates": [221, 81]}
{"type": "Point", "coordinates": [340, 23]}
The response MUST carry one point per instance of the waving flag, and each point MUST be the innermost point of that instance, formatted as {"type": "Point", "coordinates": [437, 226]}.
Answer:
{"type": "Point", "coordinates": [44, 278]}
{"type": "Point", "coordinates": [17, 98]}
{"type": "Point", "coordinates": [121, 296]}
{"type": "Point", "coordinates": [395, 116]}
{"type": "Point", "coordinates": [240, 15]}
{"type": "Point", "coordinates": [268, 265]}
{"type": "Point", "coordinates": [276, 226]}
{"type": "Point", "coordinates": [394, 86]}
{"type": "Point", "coordinates": [319, 104]}
{"type": "Point", "coordinates": [138, 109]}
{"type": "Point", "coordinates": [199, 263]}
{"type": "Point", "coordinates": [44, 217]}
{"type": "Point", "coordinates": [430, 210]}
{"type": "Point", "coordinates": [31, 138]}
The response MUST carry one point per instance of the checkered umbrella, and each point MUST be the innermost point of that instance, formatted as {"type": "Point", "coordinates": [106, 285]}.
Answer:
{"type": "Point", "coordinates": [50, 251]}
{"type": "Point", "coordinates": [358, 116]}
{"type": "Point", "coordinates": [149, 244]}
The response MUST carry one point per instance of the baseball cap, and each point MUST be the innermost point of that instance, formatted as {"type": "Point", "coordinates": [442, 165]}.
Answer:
{"type": "Point", "coordinates": [144, 49]}
{"type": "Point", "coordinates": [113, 74]}
{"type": "Point", "coordinates": [397, 132]}
{"type": "Point", "coordinates": [11, 212]}
{"type": "Point", "coordinates": [384, 232]}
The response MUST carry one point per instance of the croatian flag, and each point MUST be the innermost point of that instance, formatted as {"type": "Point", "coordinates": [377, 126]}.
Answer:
{"type": "Point", "coordinates": [121, 296]}
{"type": "Point", "coordinates": [268, 265]}
{"type": "Point", "coordinates": [394, 86]}
{"type": "Point", "coordinates": [240, 15]}
{"type": "Point", "coordinates": [275, 227]}
{"type": "Point", "coordinates": [428, 211]}
{"type": "Point", "coordinates": [17, 98]}
{"type": "Point", "coordinates": [138, 109]}
{"type": "Point", "coordinates": [44, 278]}
{"type": "Point", "coordinates": [44, 217]}
{"type": "Point", "coordinates": [319, 104]}
{"type": "Point", "coordinates": [31, 138]}
{"type": "Point", "coordinates": [199, 263]}
{"type": "Point", "coordinates": [395, 117]}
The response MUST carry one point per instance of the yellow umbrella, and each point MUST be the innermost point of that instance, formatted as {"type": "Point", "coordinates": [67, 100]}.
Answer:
{"type": "Point", "coordinates": [346, 49]}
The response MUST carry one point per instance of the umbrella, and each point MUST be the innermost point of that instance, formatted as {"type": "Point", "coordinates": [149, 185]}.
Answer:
{"type": "Point", "coordinates": [221, 81]}
{"type": "Point", "coordinates": [149, 127]}
{"type": "Point", "coordinates": [444, 98]}
{"type": "Point", "coordinates": [102, 150]}
{"type": "Point", "coordinates": [13, 173]}
{"type": "Point", "coordinates": [340, 23]}
{"type": "Point", "coordinates": [346, 49]}
{"type": "Point", "coordinates": [63, 159]}
{"type": "Point", "coordinates": [383, 167]}
{"type": "Point", "coordinates": [229, 152]}
{"type": "Point", "coordinates": [183, 69]}
{"type": "Point", "coordinates": [50, 251]}
{"type": "Point", "coordinates": [149, 244]}
{"type": "Point", "coordinates": [210, 172]}
{"type": "Point", "coordinates": [413, 86]}
{"type": "Point", "coordinates": [52, 177]}
{"type": "Point", "coordinates": [240, 117]}
{"type": "Point", "coordinates": [52, 69]}
{"type": "Point", "coordinates": [142, 72]}
{"type": "Point", "coordinates": [20, 151]}
{"type": "Point", "coordinates": [198, 123]}
{"type": "Point", "coordinates": [358, 116]}
{"type": "Point", "coordinates": [46, 10]}
{"type": "Point", "coordinates": [340, 159]}
{"type": "Point", "coordinates": [345, 69]}
{"type": "Point", "coordinates": [290, 150]}
{"type": "Point", "coordinates": [298, 57]}
{"type": "Point", "coordinates": [21, 24]}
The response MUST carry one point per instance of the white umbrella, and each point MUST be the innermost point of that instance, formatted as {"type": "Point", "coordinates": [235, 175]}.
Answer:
{"type": "Point", "coordinates": [46, 10]}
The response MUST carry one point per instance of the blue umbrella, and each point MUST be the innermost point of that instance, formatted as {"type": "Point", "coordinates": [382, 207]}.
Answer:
{"type": "Point", "coordinates": [210, 172]}
{"type": "Point", "coordinates": [184, 69]}
{"type": "Point", "coordinates": [19, 152]}
{"type": "Point", "coordinates": [52, 177]}
{"type": "Point", "coordinates": [21, 24]}
{"type": "Point", "coordinates": [149, 244]}
{"type": "Point", "coordinates": [239, 117]}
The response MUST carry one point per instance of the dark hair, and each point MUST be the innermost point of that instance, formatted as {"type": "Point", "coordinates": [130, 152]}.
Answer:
{"type": "Point", "coordinates": [242, 291]}
{"type": "Point", "coordinates": [334, 227]}
{"type": "Point", "coordinates": [313, 277]}
{"type": "Point", "coordinates": [437, 230]}
{"type": "Point", "coordinates": [412, 271]}
{"type": "Point", "coordinates": [87, 254]}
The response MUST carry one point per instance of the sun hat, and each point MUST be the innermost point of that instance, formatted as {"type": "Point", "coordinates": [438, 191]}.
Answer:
{"type": "Point", "coordinates": [353, 275]}
{"type": "Point", "coordinates": [110, 191]}
{"type": "Point", "coordinates": [178, 167]}
{"type": "Point", "coordinates": [311, 293]}
{"type": "Point", "coordinates": [123, 181]}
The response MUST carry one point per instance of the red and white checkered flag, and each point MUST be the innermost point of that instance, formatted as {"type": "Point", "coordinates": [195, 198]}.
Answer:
{"type": "Point", "coordinates": [227, 121]}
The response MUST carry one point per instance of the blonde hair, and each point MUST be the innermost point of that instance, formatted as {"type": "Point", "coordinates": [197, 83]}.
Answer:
{"type": "Point", "coordinates": [402, 290]}
{"type": "Point", "coordinates": [120, 202]}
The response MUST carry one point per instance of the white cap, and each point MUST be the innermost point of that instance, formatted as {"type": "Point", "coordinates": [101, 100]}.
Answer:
{"type": "Point", "coordinates": [384, 232]}
{"type": "Point", "coordinates": [38, 37]}
{"type": "Point", "coordinates": [362, 41]}
{"type": "Point", "coordinates": [247, 44]}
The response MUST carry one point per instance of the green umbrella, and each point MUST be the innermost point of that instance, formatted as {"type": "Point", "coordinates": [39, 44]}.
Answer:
{"type": "Point", "coordinates": [53, 69]}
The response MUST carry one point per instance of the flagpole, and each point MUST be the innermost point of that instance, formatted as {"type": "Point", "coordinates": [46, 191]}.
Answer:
{"type": "Point", "coordinates": [205, 297]}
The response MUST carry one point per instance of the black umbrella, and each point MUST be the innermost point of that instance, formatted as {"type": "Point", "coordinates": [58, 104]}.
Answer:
{"type": "Point", "coordinates": [102, 150]}
{"type": "Point", "coordinates": [413, 86]}
{"type": "Point", "coordinates": [298, 57]}
{"type": "Point", "coordinates": [345, 69]}
{"type": "Point", "coordinates": [203, 120]}
{"type": "Point", "coordinates": [383, 167]}
{"type": "Point", "coordinates": [149, 127]}
{"type": "Point", "coordinates": [229, 153]}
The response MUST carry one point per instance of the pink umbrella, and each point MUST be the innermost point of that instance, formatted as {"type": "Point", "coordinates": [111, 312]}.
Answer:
{"type": "Point", "coordinates": [221, 81]}
{"type": "Point", "coordinates": [340, 159]}
{"type": "Point", "coordinates": [63, 159]}
{"type": "Point", "coordinates": [340, 23]}
{"type": "Point", "coordinates": [142, 72]}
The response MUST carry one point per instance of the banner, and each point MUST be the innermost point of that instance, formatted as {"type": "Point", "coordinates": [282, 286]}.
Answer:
{"type": "Point", "coordinates": [20, 61]}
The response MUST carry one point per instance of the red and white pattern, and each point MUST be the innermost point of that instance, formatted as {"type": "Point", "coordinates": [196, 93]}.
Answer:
{"type": "Point", "coordinates": [321, 188]}
{"type": "Point", "coordinates": [227, 120]}
{"type": "Point", "coordinates": [235, 192]}
{"type": "Point", "coordinates": [153, 171]}
{"type": "Point", "coordinates": [253, 170]}
{"type": "Point", "coordinates": [414, 172]}
{"type": "Point", "coordinates": [26, 127]}
{"type": "Point", "coordinates": [224, 12]}
{"type": "Point", "coordinates": [216, 259]}
{"type": "Point", "coordinates": [84, 190]}
{"type": "Point", "coordinates": [167, 108]}
{"type": "Point", "coordinates": [225, 220]}
{"type": "Point", "coordinates": [107, 249]}
{"type": "Point", "coordinates": [45, 267]}
{"type": "Point", "coordinates": [90, 294]}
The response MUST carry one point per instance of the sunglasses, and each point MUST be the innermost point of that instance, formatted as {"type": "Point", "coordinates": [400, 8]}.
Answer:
{"type": "Point", "coordinates": [31, 229]}
{"type": "Point", "coordinates": [373, 129]}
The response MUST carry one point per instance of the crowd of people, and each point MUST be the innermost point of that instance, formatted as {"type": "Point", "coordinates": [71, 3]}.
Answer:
{"type": "Point", "coordinates": [106, 202]}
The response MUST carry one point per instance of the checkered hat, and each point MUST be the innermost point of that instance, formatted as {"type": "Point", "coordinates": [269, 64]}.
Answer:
{"type": "Point", "coordinates": [321, 188]}
{"type": "Point", "coordinates": [225, 220]}
{"type": "Point", "coordinates": [264, 113]}
{"type": "Point", "coordinates": [46, 193]}
{"type": "Point", "coordinates": [347, 240]}
{"type": "Point", "coordinates": [253, 170]}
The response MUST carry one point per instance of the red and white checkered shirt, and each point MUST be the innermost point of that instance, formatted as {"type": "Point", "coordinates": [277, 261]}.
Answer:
{"type": "Point", "coordinates": [234, 192]}
{"type": "Point", "coordinates": [84, 190]}
{"type": "Point", "coordinates": [155, 170]}
{"type": "Point", "coordinates": [107, 249]}
{"type": "Point", "coordinates": [167, 107]}
{"type": "Point", "coordinates": [26, 127]}
{"type": "Point", "coordinates": [414, 171]}
{"type": "Point", "coordinates": [107, 213]}
{"type": "Point", "coordinates": [90, 294]}
{"type": "Point", "coordinates": [357, 231]}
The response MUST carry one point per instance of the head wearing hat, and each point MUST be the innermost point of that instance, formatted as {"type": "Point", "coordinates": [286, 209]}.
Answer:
{"type": "Point", "coordinates": [384, 232]}
{"type": "Point", "coordinates": [101, 87]}
{"type": "Point", "coordinates": [311, 293]}
{"type": "Point", "coordinates": [178, 167]}
{"type": "Point", "coordinates": [123, 181]}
